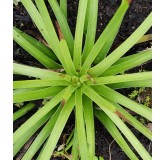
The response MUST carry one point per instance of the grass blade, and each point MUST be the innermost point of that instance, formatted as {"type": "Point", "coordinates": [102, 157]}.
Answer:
{"type": "Point", "coordinates": [23, 90]}
{"type": "Point", "coordinates": [79, 33]}
{"type": "Point", "coordinates": [75, 152]}
{"type": "Point", "coordinates": [93, 95]}
{"type": "Point", "coordinates": [27, 135]}
{"type": "Point", "coordinates": [129, 118]}
{"type": "Point", "coordinates": [128, 63]}
{"type": "Point", "coordinates": [128, 103]}
{"type": "Point", "coordinates": [89, 122]}
{"type": "Point", "coordinates": [82, 141]}
{"type": "Point", "coordinates": [67, 58]}
{"type": "Point", "coordinates": [122, 78]}
{"type": "Point", "coordinates": [104, 41]}
{"type": "Point", "coordinates": [42, 136]}
{"type": "Point", "coordinates": [111, 111]}
{"type": "Point", "coordinates": [62, 21]}
{"type": "Point", "coordinates": [40, 23]}
{"type": "Point", "coordinates": [23, 111]}
{"type": "Point", "coordinates": [36, 94]}
{"type": "Point", "coordinates": [114, 28]}
{"type": "Point", "coordinates": [63, 5]}
{"type": "Point", "coordinates": [110, 126]}
{"type": "Point", "coordinates": [39, 83]}
{"type": "Point", "coordinates": [122, 49]}
{"type": "Point", "coordinates": [57, 130]}
{"type": "Point", "coordinates": [87, 17]}
{"type": "Point", "coordinates": [69, 142]}
{"type": "Point", "coordinates": [38, 72]}
{"type": "Point", "coordinates": [37, 44]}
{"type": "Point", "coordinates": [91, 28]}
{"type": "Point", "coordinates": [37, 54]}
{"type": "Point", "coordinates": [37, 116]}
{"type": "Point", "coordinates": [146, 83]}
{"type": "Point", "coordinates": [129, 135]}
{"type": "Point", "coordinates": [44, 24]}
{"type": "Point", "coordinates": [51, 30]}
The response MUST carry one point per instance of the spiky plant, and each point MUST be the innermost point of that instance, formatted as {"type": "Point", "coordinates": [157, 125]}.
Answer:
{"type": "Point", "coordinates": [80, 77]}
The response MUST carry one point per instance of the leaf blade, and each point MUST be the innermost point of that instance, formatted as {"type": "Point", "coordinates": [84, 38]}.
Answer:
{"type": "Point", "coordinates": [122, 78]}
{"type": "Point", "coordinates": [80, 123]}
{"type": "Point", "coordinates": [56, 132]}
{"type": "Point", "coordinates": [128, 62]}
{"type": "Point", "coordinates": [23, 111]}
{"type": "Point", "coordinates": [130, 104]}
{"type": "Point", "coordinates": [79, 33]}
{"type": "Point", "coordinates": [110, 126]}
{"type": "Point", "coordinates": [104, 40]}
{"type": "Point", "coordinates": [122, 49]}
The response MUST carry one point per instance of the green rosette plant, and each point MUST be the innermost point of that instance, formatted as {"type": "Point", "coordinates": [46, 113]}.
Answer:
{"type": "Point", "coordinates": [81, 77]}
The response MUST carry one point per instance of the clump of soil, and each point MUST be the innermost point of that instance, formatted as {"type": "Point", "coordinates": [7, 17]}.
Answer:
{"type": "Point", "coordinates": [139, 10]}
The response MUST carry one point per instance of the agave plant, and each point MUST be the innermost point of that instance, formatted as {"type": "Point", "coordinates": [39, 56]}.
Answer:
{"type": "Point", "coordinates": [81, 77]}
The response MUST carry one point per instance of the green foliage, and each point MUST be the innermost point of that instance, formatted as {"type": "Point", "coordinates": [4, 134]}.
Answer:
{"type": "Point", "coordinates": [81, 78]}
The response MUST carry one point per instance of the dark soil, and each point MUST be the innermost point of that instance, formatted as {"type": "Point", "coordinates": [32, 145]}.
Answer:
{"type": "Point", "coordinates": [138, 11]}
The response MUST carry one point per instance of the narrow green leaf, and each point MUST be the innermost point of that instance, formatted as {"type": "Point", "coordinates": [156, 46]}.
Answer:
{"type": "Point", "coordinates": [111, 111]}
{"type": "Point", "coordinates": [69, 91]}
{"type": "Point", "coordinates": [44, 24]}
{"type": "Point", "coordinates": [69, 142]}
{"type": "Point", "coordinates": [70, 138]}
{"type": "Point", "coordinates": [28, 134]}
{"type": "Point", "coordinates": [23, 111]}
{"type": "Point", "coordinates": [91, 27]}
{"type": "Point", "coordinates": [86, 17]}
{"type": "Point", "coordinates": [94, 96]}
{"type": "Point", "coordinates": [130, 119]}
{"type": "Point", "coordinates": [38, 72]}
{"type": "Point", "coordinates": [114, 28]}
{"type": "Point", "coordinates": [79, 33]}
{"type": "Point", "coordinates": [110, 126]}
{"type": "Point", "coordinates": [67, 58]}
{"type": "Point", "coordinates": [52, 38]}
{"type": "Point", "coordinates": [57, 130]}
{"type": "Point", "coordinates": [39, 83]}
{"type": "Point", "coordinates": [54, 41]}
{"type": "Point", "coordinates": [128, 103]}
{"type": "Point", "coordinates": [37, 54]}
{"type": "Point", "coordinates": [128, 62]}
{"type": "Point", "coordinates": [146, 83]}
{"type": "Point", "coordinates": [123, 114]}
{"type": "Point", "coordinates": [63, 5]}
{"type": "Point", "coordinates": [122, 49]}
{"type": "Point", "coordinates": [75, 152]}
{"type": "Point", "coordinates": [42, 136]}
{"type": "Point", "coordinates": [89, 122]}
{"type": "Point", "coordinates": [37, 116]}
{"type": "Point", "coordinates": [37, 44]}
{"type": "Point", "coordinates": [106, 38]}
{"type": "Point", "coordinates": [129, 135]}
{"type": "Point", "coordinates": [82, 141]}
{"type": "Point", "coordinates": [36, 94]}
{"type": "Point", "coordinates": [62, 21]}
{"type": "Point", "coordinates": [122, 78]}
{"type": "Point", "coordinates": [23, 90]}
